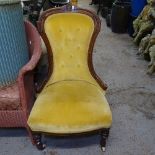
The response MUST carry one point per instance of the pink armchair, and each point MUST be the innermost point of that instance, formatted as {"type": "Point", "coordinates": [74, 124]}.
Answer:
{"type": "Point", "coordinates": [17, 100]}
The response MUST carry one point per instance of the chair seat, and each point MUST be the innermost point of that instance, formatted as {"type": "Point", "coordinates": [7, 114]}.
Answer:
{"type": "Point", "coordinates": [70, 107]}
{"type": "Point", "coordinates": [9, 98]}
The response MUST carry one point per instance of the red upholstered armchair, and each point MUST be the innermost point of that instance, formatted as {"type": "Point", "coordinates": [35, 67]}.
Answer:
{"type": "Point", "coordinates": [17, 100]}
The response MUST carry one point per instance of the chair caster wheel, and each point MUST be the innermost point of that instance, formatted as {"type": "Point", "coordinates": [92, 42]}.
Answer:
{"type": "Point", "coordinates": [103, 149]}
{"type": "Point", "coordinates": [38, 142]}
{"type": "Point", "coordinates": [103, 144]}
{"type": "Point", "coordinates": [40, 146]}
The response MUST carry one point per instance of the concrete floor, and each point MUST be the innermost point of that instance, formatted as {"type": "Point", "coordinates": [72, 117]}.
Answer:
{"type": "Point", "coordinates": [131, 95]}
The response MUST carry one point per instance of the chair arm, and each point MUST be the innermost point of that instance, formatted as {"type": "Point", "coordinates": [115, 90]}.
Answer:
{"type": "Point", "coordinates": [34, 44]}
{"type": "Point", "coordinates": [30, 66]}
{"type": "Point", "coordinates": [25, 77]}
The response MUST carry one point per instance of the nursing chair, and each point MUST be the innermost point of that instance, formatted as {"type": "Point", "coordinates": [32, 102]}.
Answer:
{"type": "Point", "coordinates": [72, 100]}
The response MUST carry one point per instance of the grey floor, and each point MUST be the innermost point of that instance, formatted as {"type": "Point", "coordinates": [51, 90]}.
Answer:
{"type": "Point", "coordinates": [131, 95]}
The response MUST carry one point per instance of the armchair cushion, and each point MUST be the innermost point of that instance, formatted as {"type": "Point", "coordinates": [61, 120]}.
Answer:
{"type": "Point", "coordinates": [70, 107]}
{"type": "Point", "coordinates": [9, 98]}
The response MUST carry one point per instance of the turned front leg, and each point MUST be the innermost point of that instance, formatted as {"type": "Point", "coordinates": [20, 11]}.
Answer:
{"type": "Point", "coordinates": [38, 142]}
{"type": "Point", "coordinates": [104, 136]}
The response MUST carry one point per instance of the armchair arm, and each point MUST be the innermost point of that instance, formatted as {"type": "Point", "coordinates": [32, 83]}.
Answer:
{"type": "Point", "coordinates": [25, 77]}
{"type": "Point", "coordinates": [34, 44]}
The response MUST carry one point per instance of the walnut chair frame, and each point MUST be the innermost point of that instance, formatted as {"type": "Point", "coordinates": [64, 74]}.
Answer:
{"type": "Point", "coordinates": [25, 82]}
{"type": "Point", "coordinates": [103, 132]}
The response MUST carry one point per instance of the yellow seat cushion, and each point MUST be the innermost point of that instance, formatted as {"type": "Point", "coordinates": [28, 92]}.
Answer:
{"type": "Point", "coordinates": [70, 107]}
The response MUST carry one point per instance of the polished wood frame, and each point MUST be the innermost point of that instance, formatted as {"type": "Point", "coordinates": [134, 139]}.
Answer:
{"type": "Point", "coordinates": [97, 26]}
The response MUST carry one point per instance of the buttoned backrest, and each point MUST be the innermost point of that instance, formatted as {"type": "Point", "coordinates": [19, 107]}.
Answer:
{"type": "Point", "coordinates": [69, 36]}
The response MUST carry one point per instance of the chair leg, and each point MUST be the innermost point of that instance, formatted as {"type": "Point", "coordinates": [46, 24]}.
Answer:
{"type": "Point", "coordinates": [30, 135]}
{"type": "Point", "coordinates": [36, 140]}
{"type": "Point", "coordinates": [104, 136]}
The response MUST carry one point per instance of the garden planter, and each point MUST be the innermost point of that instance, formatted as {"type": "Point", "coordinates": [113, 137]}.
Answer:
{"type": "Point", "coordinates": [120, 17]}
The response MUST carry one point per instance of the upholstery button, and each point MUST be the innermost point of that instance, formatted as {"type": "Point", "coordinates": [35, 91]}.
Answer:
{"type": "Point", "coordinates": [78, 47]}
{"type": "Point", "coordinates": [60, 30]}
{"type": "Point", "coordinates": [71, 56]}
{"type": "Point", "coordinates": [70, 39]}
{"type": "Point", "coordinates": [78, 65]}
{"type": "Point", "coordinates": [78, 29]}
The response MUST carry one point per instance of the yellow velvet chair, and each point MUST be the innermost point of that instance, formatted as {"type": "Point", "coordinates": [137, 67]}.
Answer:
{"type": "Point", "coordinates": [72, 100]}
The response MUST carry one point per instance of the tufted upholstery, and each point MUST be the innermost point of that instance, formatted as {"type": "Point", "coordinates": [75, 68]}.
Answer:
{"type": "Point", "coordinates": [71, 101]}
{"type": "Point", "coordinates": [70, 42]}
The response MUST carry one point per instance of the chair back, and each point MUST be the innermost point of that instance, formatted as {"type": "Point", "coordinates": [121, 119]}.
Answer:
{"type": "Point", "coordinates": [69, 36]}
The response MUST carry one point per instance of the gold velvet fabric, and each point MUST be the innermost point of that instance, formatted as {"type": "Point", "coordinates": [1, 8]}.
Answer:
{"type": "Point", "coordinates": [71, 101]}
{"type": "Point", "coordinates": [70, 35]}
